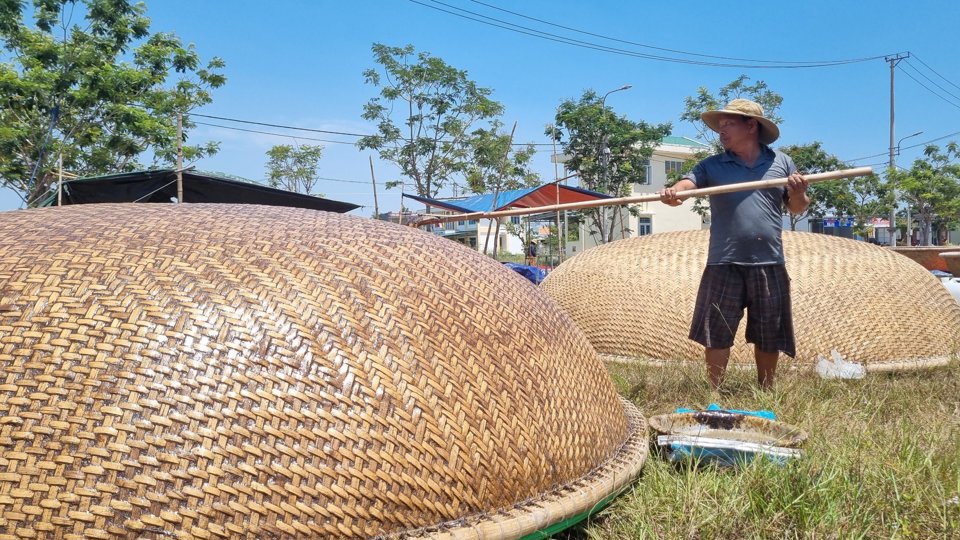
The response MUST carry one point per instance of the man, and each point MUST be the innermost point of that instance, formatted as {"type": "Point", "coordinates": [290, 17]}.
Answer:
{"type": "Point", "coordinates": [745, 264]}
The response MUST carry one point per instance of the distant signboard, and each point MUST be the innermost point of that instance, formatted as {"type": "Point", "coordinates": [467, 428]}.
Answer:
{"type": "Point", "coordinates": [838, 222]}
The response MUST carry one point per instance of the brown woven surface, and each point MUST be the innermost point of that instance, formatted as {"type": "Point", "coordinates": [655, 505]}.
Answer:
{"type": "Point", "coordinates": [634, 299]}
{"type": "Point", "coordinates": [224, 371]}
{"type": "Point", "coordinates": [952, 259]}
{"type": "Point", "coordinates": [926, 256]}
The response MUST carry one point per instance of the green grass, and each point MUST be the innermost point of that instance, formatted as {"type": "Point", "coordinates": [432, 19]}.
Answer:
{"type": "Point", "coordinates": [882, 460]}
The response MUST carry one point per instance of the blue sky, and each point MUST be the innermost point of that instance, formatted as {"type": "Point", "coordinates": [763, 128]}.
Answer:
{"type": "Point", "coordinates": [300, 63]}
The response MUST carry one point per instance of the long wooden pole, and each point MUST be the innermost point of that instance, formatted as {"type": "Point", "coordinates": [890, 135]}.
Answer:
{"type": "Point", "coordinates": [179, 158]}
{"type": "Point", "coordinates": [653, 197]}
{"type": "Point", "coordinates": [373, 179]}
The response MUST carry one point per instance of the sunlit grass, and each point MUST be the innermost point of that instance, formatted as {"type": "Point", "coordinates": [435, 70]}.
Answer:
{"type": "Point", "coordinates": [882, 460]}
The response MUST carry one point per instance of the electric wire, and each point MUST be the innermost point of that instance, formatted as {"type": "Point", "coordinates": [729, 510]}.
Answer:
{"type": "Point", "coordinates": [297, 137]}
{"type": "Point", "coordinates": [933, 82]}
{"type": "Point", "coordinates": [935, 72]}
{"type": "Point", "coordinates": [676, 51]}
{"type": "Point", "coordinates": [907, 73]}
{"type": "Point", "coordinates": [506, 25]}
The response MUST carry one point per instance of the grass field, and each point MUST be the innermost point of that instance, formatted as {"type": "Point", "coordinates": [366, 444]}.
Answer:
{"type": "Point", "coordinates": [882, 460]}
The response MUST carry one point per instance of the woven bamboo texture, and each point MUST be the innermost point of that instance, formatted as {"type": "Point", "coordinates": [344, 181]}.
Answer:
{"type": "Point", "coordinates": [634, 299]}
{"type": "Point", "coordinates": [227, 371]}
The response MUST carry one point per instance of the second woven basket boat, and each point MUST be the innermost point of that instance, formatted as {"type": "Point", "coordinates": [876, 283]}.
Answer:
{"type": "Point", "coordinates": [634, 299]}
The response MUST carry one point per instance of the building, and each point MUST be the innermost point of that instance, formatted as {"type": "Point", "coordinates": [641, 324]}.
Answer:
{"type": "Point", "coordinates": [652, 217]}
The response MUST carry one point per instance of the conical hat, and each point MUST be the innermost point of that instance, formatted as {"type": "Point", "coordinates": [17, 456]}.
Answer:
{"type": "Point", "coordinates": [634, 299]}
{"type": "Point", "coordinates": [220, 371]}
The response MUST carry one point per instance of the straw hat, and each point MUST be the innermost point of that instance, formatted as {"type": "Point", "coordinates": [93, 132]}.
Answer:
{"type": "Point", "coordinates": [769, 131]}
{"type": "Point", "coordinates": [228, 371]}
{"type": "Point", "coordinates": [642, 292]}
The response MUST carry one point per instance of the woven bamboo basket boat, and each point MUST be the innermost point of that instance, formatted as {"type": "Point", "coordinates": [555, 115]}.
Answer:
{"type": "Point", "coordinates": [929, 257]}
{"type": "Point", "coordinates": [952, 260]}
{"type": "Point", "coordinates": [634, 299]}
{"type": "Point", "coordinates": [222, 371]}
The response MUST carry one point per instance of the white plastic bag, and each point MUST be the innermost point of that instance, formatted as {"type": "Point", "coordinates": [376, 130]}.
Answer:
{"type": "Point", "coordinates": [838, 368]}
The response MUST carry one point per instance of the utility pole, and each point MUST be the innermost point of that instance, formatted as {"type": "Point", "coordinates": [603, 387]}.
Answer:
{"type": "Point", "coordinates": [179, 158]}
{"type": "Point", "coordinates": [894, 60]}
{"type": "Point", "coordinates": [376, 207]}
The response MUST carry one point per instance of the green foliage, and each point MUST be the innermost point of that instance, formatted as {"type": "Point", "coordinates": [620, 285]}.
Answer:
{"type": "Point", "coordinates": [704, 101]}
{"type": "Point", "coordinates": [932, 188]}
{"type": "Point", "coordinates": [495, 165]}
{"type": "Point", "coordinates": [424, 115]}
{"type": "Point", "coordinates": [100, 93]}
{"type": "Point", "coordinates": [837, 195]}
{"type": "Point", "coordinates": [294, 168]}
{"type": "Point", "coordinates": [881, 460]}
{"type": "Point", "coordinates": [608, 152]}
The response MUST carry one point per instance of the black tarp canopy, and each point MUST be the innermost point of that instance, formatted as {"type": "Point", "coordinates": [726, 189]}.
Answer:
{"type": "Point", "coordinates": [160, 186]}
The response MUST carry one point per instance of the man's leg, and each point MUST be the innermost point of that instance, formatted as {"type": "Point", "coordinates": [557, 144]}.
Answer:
{"type": "Point", "coordinates": [766, 367]}
{"type": "Point", "coordinates": [716, 364]}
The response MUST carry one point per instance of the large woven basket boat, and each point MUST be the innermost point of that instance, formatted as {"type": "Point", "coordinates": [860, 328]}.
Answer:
{"type": "Point", "coordinates": [634, 299]}
{"type": "Point", "coordinates": [218, 371]}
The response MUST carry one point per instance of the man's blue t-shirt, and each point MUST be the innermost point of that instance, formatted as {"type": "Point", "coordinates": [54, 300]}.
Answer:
{"type": "Point", "coordinates": [746, 225]}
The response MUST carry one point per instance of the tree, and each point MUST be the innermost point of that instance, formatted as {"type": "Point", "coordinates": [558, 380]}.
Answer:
{"type": "Point", "coordinates": [100, 95]}
{"type": "Point", "coordinates": [495, 165]}
{"type": "Point", "coordinates": [694, 106]}
{"type": "Point", "coordinates": [607, 151]}
{"type": "Point", "coordinates": [704, 100]}
{"type": "Point", "coordinates": [811, 159]}
{"type": "Point", "coordinates": [868, 197]}
{"type": "Point", "coordinates": [424, 115]}
{"type": "Point", "coordinates": [932, 188]}
{"type": "Point", "coordinates": [294, 168]}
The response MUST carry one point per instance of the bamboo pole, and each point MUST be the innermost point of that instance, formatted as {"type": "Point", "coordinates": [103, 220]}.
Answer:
{"type": "Point", "coordinates": [373, 180]}
{"type": "Point", "coordinates": [653, 197]}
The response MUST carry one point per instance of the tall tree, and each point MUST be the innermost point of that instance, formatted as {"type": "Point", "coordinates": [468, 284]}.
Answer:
{"type": "Point", "coordinates": [869, 197]}
{"type": "Point", "coordinates": [496, 165]}
{"type": "Point", "coordinates": [811, 159]}
{"type": "Point", "coordinates": [424, 114]}
{"type": "Point", "coordinates": [87, 81]}
{"type": "Point", "coordinates": [932, 188]}
{"type": "Point", "coordinates": [608, 152]}
{"type": "Point", "coordinates": [294, 168]}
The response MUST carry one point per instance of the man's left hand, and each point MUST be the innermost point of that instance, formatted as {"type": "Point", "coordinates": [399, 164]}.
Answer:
{"type": "Point", "coordinates": [796, 184]}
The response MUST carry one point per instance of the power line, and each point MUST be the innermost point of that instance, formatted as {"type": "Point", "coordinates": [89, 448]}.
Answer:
{"type": "Point", "coordinates": [284, 135]}
{"type": "Point", "coordinates": [506, 25]}
{"type": "Point", "coordinates": [279, 125]}
{"type": "Point", "coordinates": [298, 128]}
{"type": "Point", "coordinates": [933, 82]}
{"type": "Point", "coordinates": [794, 62]}
{"type": "Point", "coordinates": [907, 73]}
{"type": "Point", "coordinates": [917, 145]}
{"type": "Point", "coordinates": [935, 72]}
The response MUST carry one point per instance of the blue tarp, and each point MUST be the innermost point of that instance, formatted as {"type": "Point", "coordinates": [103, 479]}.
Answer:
{"type": "Point", "coordinates": [532, 273]}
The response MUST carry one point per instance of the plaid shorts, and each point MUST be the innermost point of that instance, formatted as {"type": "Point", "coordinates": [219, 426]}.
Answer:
{"type": "Point", "coordinates": [726, 289]}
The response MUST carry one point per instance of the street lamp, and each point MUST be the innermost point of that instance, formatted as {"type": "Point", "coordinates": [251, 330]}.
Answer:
{"type": "Point", "coordinates": [909, 223]}
{"type": "Point", "coordinates": [605, 153]}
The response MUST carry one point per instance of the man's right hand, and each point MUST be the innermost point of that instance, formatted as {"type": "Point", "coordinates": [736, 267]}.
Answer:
{"type": "Point", "coordinates": [669, 196]}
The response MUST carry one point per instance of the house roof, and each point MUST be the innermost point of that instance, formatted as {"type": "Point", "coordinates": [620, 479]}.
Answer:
{"type": "Point", "coordinates": [160, 186]}
{"type": "Point", "coordinates": [544, 195]}
{"type": "Point", "coordinates": [683, 141]}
